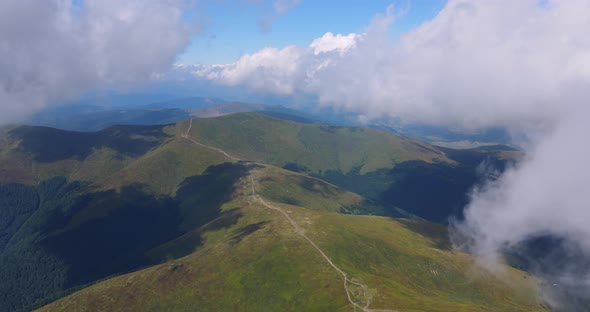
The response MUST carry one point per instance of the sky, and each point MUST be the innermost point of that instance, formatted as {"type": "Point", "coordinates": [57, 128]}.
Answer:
{"type": "Point", "coordinates": [229, 29]}
{"type": "Point", "coordinates": [520, 65]}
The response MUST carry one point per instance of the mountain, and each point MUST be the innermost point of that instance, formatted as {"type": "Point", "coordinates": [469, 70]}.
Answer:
{"type": "Point", "coordinates": [273, 259]}
{"type": "Point", "coordinates": [187, 103]}
{"type": "Point", "coordinates": [99, 111]}
{"type": "Point", "coordinates": [393, 170]}
{"type": "Point", "coordinates": [95, 118]}
{"type": "Point", "coordinates": [100, 120]}
{"type": "Point", "coordinates": [201, 211]}
{"type": "Point", "coordinates": [276, 111]}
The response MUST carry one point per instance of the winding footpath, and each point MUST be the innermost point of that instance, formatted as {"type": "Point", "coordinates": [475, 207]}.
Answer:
{"type": "Point", "coordinates": [186, 136]}
{"type": "Point", "coordinates": [299, 231]}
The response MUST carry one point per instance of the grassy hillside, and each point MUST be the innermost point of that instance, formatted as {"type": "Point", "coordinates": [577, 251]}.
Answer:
{"type": "Point", "coordinates": [72, 234]}
{"type": "Point", "coordinates": [300, 190]}
{"type": "Point", "coordinates": [314, 148]}
{"type": "Point", "coordinates": [78, 207]}
{"type": "Point", "coordinates": [392, 171]}
{"type": "Point", "coordinates": [156, 157]}
{"type": "Point", "coordinates": [395, 172]}
{"type": "Point", "coordinates": [32, 154]}
{"type": "Point", "coordinates": [67, 234]}
{"type": "Point", "coordinates": [262, 263]}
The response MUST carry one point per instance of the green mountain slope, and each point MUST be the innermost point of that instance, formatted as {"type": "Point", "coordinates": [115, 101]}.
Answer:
{"type": "Point", "coordinates": [41, 153]}
{"type": "Point", "coordinates": [267, 261]}
{"type": "Point", "coordinates": [105, 206]}
{"type": "Point", "coordinates": [76, 208]}
{"type": "Point", "coordinates": [316, 148]}
{"type": "Point", "coordinates": [394, 171]}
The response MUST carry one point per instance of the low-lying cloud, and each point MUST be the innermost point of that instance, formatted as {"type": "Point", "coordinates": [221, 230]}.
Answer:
{"type": "Point", "coordinates": [55, 49]}
{"type": "Point", "coordinates": [523, 65]}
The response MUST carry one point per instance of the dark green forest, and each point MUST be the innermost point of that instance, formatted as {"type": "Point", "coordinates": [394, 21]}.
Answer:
{"type": "Point", "coordinates": [61, 235]}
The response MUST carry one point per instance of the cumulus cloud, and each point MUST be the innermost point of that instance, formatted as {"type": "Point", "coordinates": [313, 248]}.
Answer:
{"type": "Point", "coordinates": [523, 65]}
{"type": "Point", "coordinates": [270, 69]}
{"type": "Point", "coordinates": [469, 65]}
{"type": "Point", "coordinates": [330, 42]}
{"type": "Point", "coordinates": [55, 49]}
{"type": "Point", "coordinates": [279, 71]}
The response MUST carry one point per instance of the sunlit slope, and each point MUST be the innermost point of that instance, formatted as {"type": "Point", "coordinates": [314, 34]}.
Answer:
{"type": "Point", "coordinates": [155, 156]}
{"type": "Point", "coordinates": [311, 147]}
{"type": "Point", "coordinates": [58, 234]}
{"type": "Point", "coordinates": [76, 207]}
{"type": "Point", "coordinates": [397, 173]}
{"type": "Point", "coordinates": [393, 171]}
{"type": "Point", "coordinates": [110, 202]}
{"type": "Point", "coordinates": [263, 262]}
{"type": "Point", "coordinates": [297, 189]}
{"type": "Point", "coordinates": [84, 156]}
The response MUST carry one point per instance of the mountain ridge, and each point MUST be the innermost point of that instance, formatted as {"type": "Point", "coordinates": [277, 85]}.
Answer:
{"type": "Point", "coordinates": [198, 192]}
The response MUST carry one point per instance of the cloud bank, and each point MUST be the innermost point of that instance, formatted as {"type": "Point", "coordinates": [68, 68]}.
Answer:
{"type": "Point", "coordinates": [469, 65]}
{"type": "Point", "coordinates": [523, 65]}
{"type": "Point", "coordinates": [55, 49]}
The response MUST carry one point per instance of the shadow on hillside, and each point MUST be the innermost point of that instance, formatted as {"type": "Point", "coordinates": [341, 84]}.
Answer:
{"type": "Point", "coordinates": [241, 233]}
{"type": "Point", "coordinates": [76, 237]}
{"type": "Point", "coordinates": [49, 144]}
{"type": "Point", "coordinates": [134, 222]}
{"type": "Point", "coordinates": [438, 234]}
{"type": "Point", "coordinates": [434, 192]}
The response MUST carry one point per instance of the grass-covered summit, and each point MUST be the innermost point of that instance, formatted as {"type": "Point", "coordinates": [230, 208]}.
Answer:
{"type": "Point", "coordinates": [314, 148]}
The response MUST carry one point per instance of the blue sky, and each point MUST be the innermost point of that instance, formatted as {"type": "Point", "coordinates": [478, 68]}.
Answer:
{"type": "Point", "coordinates": [231, 28]}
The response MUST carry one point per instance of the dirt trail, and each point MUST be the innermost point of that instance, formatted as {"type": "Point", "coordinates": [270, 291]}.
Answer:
{"type": "Point", "coordinates": [186, 136]}
{"type": "Point", "coordinates": [300, 232]}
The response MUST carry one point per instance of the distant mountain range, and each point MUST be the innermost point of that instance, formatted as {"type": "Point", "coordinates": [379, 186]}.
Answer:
{"type": "Point", "coordinates": [98, 112]}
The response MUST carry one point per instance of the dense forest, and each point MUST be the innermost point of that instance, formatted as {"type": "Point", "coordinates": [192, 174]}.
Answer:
{"type": "Point", "coordinates": [59, 235]}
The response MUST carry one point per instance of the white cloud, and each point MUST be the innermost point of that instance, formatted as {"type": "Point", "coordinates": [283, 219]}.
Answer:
{"type": "Point", "coordinates": [524, 65]}
{"type": "Point", "coordinates": [270, 69]}
{"type": "Point", "coordinates": [52, 50]}
{"type": "Point", "coordinates": [330, 42]}
{"type": "Point", "coordinates": [280, 71]}
{"type": "Point", "coordinates": [468, 65]}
